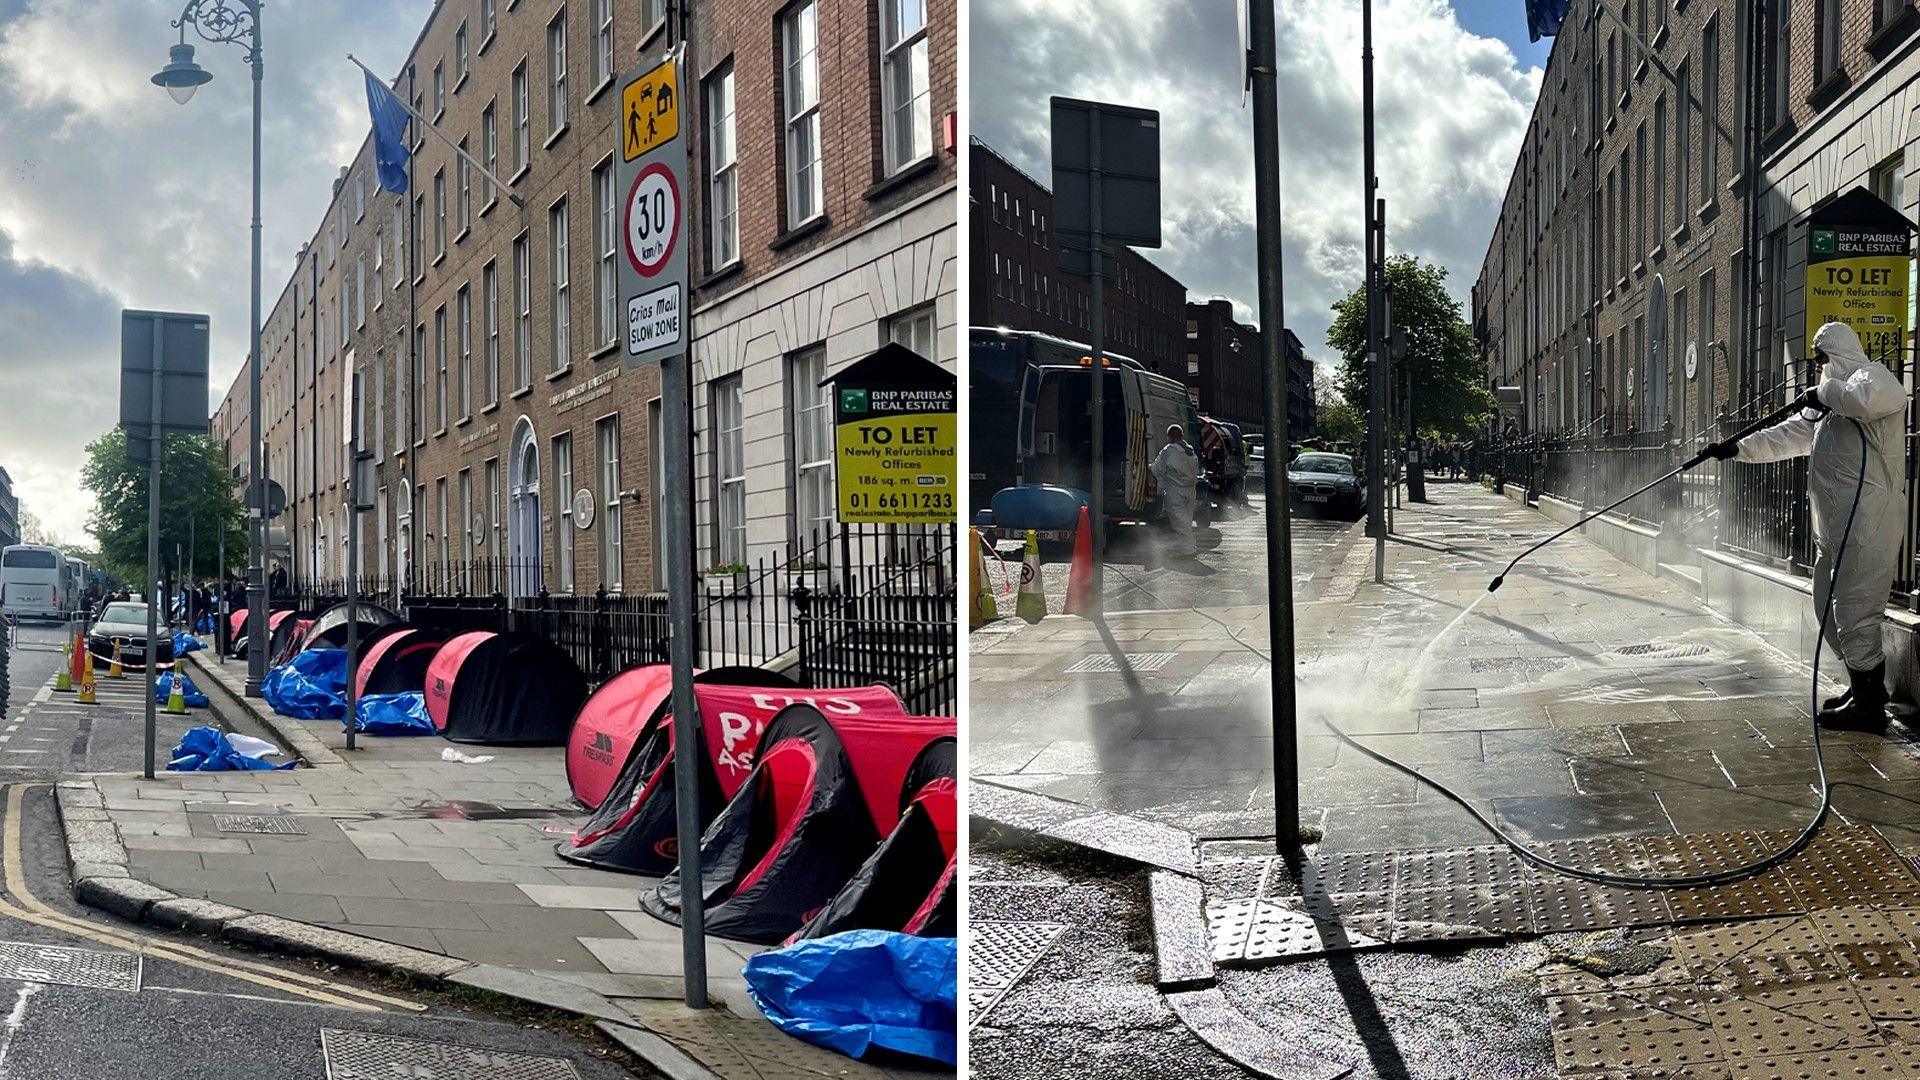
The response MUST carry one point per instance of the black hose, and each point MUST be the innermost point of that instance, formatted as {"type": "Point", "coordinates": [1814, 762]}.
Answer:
{"type": "Point", "coordinates": [1520, 848]}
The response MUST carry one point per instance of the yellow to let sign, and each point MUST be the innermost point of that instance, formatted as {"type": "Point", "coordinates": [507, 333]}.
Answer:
{"type": "Point", "coordinates": [649, 112]}
{"type": "Point", "coordinates": [1859, 260]}
{"type": "Point", "coordinates": [897, 468]}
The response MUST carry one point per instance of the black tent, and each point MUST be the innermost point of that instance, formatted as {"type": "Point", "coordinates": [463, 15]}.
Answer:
{"type": "Point", "coordinates": [397, 661]}
{"type": "Point", "coordinates": [370, 638]}
{"type": "Point", "coordinates": [504, 690]}
{"type": "Point", "coordinates": [793, 834]}
{"type": "Point", "coordinates": [329, 630]}
{"type": "Point", "coordinates": [907, 885]}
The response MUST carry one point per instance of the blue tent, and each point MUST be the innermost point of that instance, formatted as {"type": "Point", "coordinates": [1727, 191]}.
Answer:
{"type": "Point", "coordinates": [865, 988]}
{"type": "Point", "coordinates": [393, 714]}
{"type": "Point", "coordinates": [311, 686]}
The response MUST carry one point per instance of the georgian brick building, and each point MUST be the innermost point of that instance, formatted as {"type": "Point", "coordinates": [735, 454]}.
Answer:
{"type": "Point", "coordinates": [506, 429]}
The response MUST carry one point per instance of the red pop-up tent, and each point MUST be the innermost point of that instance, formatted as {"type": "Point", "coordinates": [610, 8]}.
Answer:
{"type": "Point", "coordinates": [633, 829]}
{"type": "Point", "coordinates": [238, 629]}
{"type": "Point", "coordinates": [503, 689]}
{"type": "Point", "coordinates": [397, 661]}
{"type": "Point", "coordinates": [907, 885]}
{"type": "Point", "coordinates": [329, 630]}
{"type": "Point", "coordinates": [624, 710]}
{"type": "Point", "coordinates": [821, 793]}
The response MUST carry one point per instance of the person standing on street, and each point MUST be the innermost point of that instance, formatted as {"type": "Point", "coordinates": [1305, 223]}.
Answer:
{"type": "Point", "coordinates": [1177, 470]}
{"type": "Point", "coordinates": [1854, 397]}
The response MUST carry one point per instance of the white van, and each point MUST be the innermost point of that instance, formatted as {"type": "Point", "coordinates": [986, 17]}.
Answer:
{"type": "Point", "coordinates": [33, 581]}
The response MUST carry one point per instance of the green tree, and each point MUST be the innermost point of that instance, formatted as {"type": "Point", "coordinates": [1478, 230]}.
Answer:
{"type": "Point", "coordinates": [1450, 397]}
{"type": "Point", "coordinates": [197, 498]}
{"type": "Point", "coordinates": [1338, 421]}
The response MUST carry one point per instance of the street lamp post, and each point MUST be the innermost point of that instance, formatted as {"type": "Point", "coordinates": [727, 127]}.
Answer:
{"type": "Point", "coordinates": [223, 22]}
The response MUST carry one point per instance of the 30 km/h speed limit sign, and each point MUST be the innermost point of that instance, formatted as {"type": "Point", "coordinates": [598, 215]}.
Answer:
{"type": "Point", "coordinates": [653, 219]}
{"type": "Point", "coordinates": [651, 171]}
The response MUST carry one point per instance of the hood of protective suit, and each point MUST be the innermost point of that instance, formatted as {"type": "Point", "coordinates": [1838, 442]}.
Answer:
{"type": "Point", "coordinates": [1842, 348]}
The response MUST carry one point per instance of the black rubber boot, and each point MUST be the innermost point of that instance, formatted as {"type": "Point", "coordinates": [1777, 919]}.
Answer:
{"type": "Point", "coordinates": [1867, 711]}
{"type": "Point", "coordinates": [1838, 701]}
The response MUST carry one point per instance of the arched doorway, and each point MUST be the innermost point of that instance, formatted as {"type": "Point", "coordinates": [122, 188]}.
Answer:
{"type": "Point", "coordinates": [524, 572]}
{"type": "Point", "coordinates": [402, 540]}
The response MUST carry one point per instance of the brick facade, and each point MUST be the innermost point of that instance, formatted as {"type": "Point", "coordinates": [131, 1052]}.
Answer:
{"type": "Point", "coordinates": [1017, 283]}
{"type": "Point", "coordinates": [1223, 371]}
{"type": "Point", "coordinates": [501, 438]}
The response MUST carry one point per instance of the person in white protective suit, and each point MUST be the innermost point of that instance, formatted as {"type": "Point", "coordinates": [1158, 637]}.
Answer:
{"type": "Point", "coordinates": [1852, 394]}
{"type": "Point", "coordinates": [1177, 471]}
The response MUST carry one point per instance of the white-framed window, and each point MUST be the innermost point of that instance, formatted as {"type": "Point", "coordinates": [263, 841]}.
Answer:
{"type": "Point", "coordinates": [439, 91]}
{"type": "Point", "coordinates": [440, 493]}
{"type": "Point", "coordinates": [799, 36]}
{"type": "Point", "coordinates": [522, 135]}
{"type": "Point", "coordinates": [904, 82]}
{"type": "Point", "coordinates": [439, 213]}
{"type": "Point", "coordinates": [399, 238]}
{"type": "Point", "coordinates": [723, 165]}
{"type": "Point", "coordinates": [420, 383]}
{"type": "Point", "coordinates": [729, 473]}
{"type": "Point", "coordinates": [813, 498]}
{"type": "Point", "coordinates": [492, 511]}
{"type": "Point", "coordinates": [489, 21]}
{"type": "Point", "coordinates": [560, 288]}
{"type": "Point", "coordinates": [606, 282]}
{"type": "Point", "coordinates": [489, 148]}
{"type": "Point", "coordinates": [1830, 22]}
{"type": "Point", "coordinates": [490, 305]}
{"type": "Point", "coordinates": [563, 527]}
{"type": "Point", "coordinates": [602, 41]}
{"type": "Point", "coordinates": [464, 172]}
{"type": "Point", "coordinates": [440, 367]}
{"type": "Point", "coordinates": [459, 57]}
{"type": "Point", "coordinates": [914, 328]}
{"type": "Point", "coordinates": [379, 269]}
{"type": "Point", "coordinates": [463, 301]}
{"type": "Point", "coordinates": [612, 549]}
{"type": "Point", "coordinates": [557, 72]}
{"type": "Point", "coordinates": [402, 371]}
{"type": "Point", "coordinates": [359, 197]}
{"type": "Point", "coordinates": [522, 313]}
{"type": "Point", "coordinates": [379, 388]}
{"type": "Point", "coordinates": [466, 515]}
{"type": "Point", "coordinates": [1710, 106]}
{"type": "Point", "coordinates": [360, 292]}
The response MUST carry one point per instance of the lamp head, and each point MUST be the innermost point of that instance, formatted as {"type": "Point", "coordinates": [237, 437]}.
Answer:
{"type": "Point", "coordinates": [181, 77]}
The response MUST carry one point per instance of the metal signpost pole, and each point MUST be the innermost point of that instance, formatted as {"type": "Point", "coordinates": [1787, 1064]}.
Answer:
{"type": "Point", "coordinates": [1376, 359]}
{"type": "Point", "coordinates": [1273, 363]}
{"type": "Point", "coordinates": [257, 600]}
{"type": "Point", "coordinates": [651, 175]}
{"type": "Point", "coordinates": [1097, 512]}
{"type": "Point", "coordinates": [154, 450]}
{"type": "Point", "coordinates": [353, 542]}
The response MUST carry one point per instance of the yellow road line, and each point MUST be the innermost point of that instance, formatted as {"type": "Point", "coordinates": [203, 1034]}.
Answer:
{"type": "Point", "coordinates": [286, 981]}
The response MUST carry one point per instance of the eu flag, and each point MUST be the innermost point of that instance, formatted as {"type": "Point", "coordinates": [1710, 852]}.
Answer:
{"type": "Point", "coordinates": [1544, 17]}
{"type": "Point", "coordinates": [389, 135]}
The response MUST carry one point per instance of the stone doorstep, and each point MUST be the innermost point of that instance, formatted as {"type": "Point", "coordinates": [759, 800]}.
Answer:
{"type": "Point", "coordinates": [108, 885]}
{"type": "Point", "coordinates": [227, 701]}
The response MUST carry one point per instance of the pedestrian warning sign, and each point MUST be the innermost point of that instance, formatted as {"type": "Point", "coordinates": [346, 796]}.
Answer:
{"type": "Point", "coordinates": [1859, 258]}
{"type": "Point", "coordinates": [896, 455]}
{"type": "Point", "coordinates": [650, 111]}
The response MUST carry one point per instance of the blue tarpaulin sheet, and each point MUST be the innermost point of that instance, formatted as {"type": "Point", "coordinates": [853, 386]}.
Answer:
{"type": "Point", "coordinates": [163, 689]}
{"type": "Point", "coordinates": [393, 714]}
{"type": "Point", "coordinates": [184, 643]}
{"type": "Point", "coordinates": [207, 749]}
{"type": "Point", "coordinates": [311, 686]}
{"type": "Point", "coordinates": [861, 989]}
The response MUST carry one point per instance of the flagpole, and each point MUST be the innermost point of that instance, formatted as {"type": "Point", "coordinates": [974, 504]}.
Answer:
{"type": "Point", "coordinates": [428, 124]}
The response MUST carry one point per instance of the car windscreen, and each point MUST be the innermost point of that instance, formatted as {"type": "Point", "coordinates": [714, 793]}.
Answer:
{"type": "Point", "coordinates": [1322, 463]}
{"type": "Point", "coordinates": [125, 613]}
{"type": "Point", "coordinates": [30, 559]}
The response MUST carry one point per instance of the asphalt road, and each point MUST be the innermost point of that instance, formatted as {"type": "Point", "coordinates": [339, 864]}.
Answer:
{"type": "Point", "coordinates": [199, 1009]}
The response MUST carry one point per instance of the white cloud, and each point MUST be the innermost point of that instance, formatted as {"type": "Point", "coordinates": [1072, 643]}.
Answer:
{"type": "Point", "coordinates": [1450, 111]}
{"type": "Point", "coordinates": [112, 196]}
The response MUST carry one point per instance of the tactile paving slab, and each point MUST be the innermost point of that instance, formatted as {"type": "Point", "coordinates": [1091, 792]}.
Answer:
{"type": "Point", "coordinates": [1461, 913]}
{"type": "Point", "coordinates": [1634, 1031]}
{"type": "Point", "coordinates": [1557, 904]}
{"type": "Point", "coordinates": [366, 1055]}
{"type": "Point", "coordinates": [999, 954]}
{"type": "Point", "coordinates": [1456, 867]}
{"type": "Point", "coordinates": [1106, 664]}
{"type": "Point", "coordinates": [1814, 1017]}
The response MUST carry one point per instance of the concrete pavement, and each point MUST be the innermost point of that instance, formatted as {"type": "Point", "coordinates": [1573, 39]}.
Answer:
{"type": "Point", "coordinates": [1584, 700]}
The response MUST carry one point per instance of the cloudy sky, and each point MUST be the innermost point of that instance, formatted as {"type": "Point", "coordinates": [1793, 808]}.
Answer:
{"type": "Point", "coordinates": [1454, 83]}
{"type": "Point", "coordinates": [112, 196]}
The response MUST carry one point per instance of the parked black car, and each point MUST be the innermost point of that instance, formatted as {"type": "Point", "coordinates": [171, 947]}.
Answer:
{"type": "Point", "coordinates": [1326, 483]}
{"type": "Point", "coordinates": [127, 624]}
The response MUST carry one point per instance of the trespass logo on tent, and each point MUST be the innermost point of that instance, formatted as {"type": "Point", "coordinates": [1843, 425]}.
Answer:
{"type": "Point", "coordinates": [735, 717]}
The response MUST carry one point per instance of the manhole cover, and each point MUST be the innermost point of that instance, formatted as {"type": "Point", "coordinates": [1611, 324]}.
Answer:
{"type": "Point", "coordinates": [259, 823]}
{"type": "Point", "coordinates": [1105, 663]}
{"type": "Point", "coordinates": [361, 1055]}
{"type": "Point", "coordinates": [1661, 649]}
{"type": "Point", "coordinates": [998, 956]}
{"type": "Point", "coordinates": [27, 962]}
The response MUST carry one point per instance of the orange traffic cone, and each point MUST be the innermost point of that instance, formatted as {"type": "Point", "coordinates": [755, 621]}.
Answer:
{"type": "Point", "coordinates": [81, 662]}
{"type": "Point", "coordinates": [1080, 598]}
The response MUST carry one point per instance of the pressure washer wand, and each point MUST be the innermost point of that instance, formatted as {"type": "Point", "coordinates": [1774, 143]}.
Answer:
{"type": "Point", "coordinates": [1695, 461]}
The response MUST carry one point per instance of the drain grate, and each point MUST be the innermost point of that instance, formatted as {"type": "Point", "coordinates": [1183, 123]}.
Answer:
{"type": "Point", "coordinates": [999, 955]}
{"type": "Point", "coordinates": [1662, 649]}
{"type": "Point", "coordinates": [27, 962]}
{"type": "Point", "coordinates": [276, 824]}
{"type": "Point", "coordinates": [1521, 665]}
{"type": "Point", "coordinates": [1106, 664]}
{"type": "Point", "coordinates": [363, 1055]}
